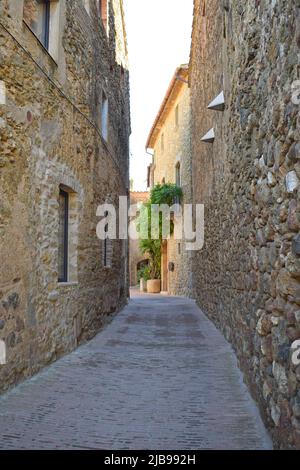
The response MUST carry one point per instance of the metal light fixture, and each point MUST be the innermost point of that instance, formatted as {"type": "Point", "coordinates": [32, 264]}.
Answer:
{"type": "Point", "coordinates": [209, 136]}
{"type": "Point", "coordinates": [218, 104]}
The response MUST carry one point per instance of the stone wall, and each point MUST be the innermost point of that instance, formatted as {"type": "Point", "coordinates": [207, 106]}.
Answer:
{"type": "Point", "coordinates": [50, 136]}
{"type": "Point", "coordinates": [247, 276]}
{"type": "Point", "coordinates": [175, 150]}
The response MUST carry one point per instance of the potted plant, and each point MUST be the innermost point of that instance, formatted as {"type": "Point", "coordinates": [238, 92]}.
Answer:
{"type": "Point", "coordinates": [153, 249]}
{"type": "Point", "coordinates": [160, 194]}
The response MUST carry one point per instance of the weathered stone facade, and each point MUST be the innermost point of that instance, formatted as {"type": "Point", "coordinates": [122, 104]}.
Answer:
{"type": "Point", "coordinates": [247, 276]}
{"type": "Point", "coordinates": [51, 138]}
{"type": "Point", "coordinates": [136, 257]}
{"type": "Point", "coordinates": [170, 141]}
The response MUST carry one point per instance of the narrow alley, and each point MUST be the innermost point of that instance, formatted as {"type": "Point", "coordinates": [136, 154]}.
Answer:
{"type": "Point", "coordinates": [159, 376]}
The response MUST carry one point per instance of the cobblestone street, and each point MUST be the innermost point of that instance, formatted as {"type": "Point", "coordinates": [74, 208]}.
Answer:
{"type": "Point", "coordinates": [160, 376]}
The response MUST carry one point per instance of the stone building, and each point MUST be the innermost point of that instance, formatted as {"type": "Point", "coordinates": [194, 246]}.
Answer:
{"type": "Point", "coordinates": [136, 258]}
{"type": "Point", "coordinates": [170, 142]}
{"type": "Point", "coordinates": [246, 171]}
{"type": "Point", "coordinates": [64, 131]}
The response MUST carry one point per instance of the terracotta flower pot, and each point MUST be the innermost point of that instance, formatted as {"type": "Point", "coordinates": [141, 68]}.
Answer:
{"type": "Point", "coordinates": [143, 285]}
{"type": "Point", "coordinates": [153, 286]}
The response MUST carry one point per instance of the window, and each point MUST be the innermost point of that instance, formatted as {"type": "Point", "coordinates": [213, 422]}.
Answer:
{"type": "Point", "coordinates": [162, 142]}
{"type": "Point", "coordinates": [42, 18]}
{"type": "Point", "coordinates": [103, 10]}
{"type": "Point", "coordinates": [203, 36]}
{"type": "Point", "coordinates": [87, 5]}
{"type": "Point", "coordinates": [177, 116]}
{"type": "Point", "coordinates": [2, 92]}
{"type": "Point", "coordinates": [63, 236]}
{"type": "Point", "coordinates": [107, 252]}
{"type": "Point", "coordinates": [107, 248]}
{"type": "Point", "coordinates": [104, 117]}
{"type": "Point", "coordinates": [179, 248]}
{"type": "Point", "coordinates": [68, 223]}
{"type": "Point", "coordinates": [37, 17]}
{"type": "Point", "coordinates": [177, 174]}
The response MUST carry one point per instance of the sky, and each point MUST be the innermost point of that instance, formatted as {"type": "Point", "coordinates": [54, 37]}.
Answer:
{"type": "Point", "coordinates": [159, 38]}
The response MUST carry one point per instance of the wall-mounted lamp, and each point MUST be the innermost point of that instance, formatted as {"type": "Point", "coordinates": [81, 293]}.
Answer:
{"type": "Point", "coordinates": [217, 104]}
{"type": "Point", "coordinates": [209, 137]}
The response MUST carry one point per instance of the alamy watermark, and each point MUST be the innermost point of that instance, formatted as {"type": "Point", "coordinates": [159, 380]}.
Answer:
{"type": "Point", "coordinates": [140, 222]}
{"type": "Point", "coordinates": [296, 352]}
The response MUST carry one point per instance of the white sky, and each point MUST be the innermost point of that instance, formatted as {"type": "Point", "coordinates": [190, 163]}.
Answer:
{"type": "Point", "coordinates": [159, 38]}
